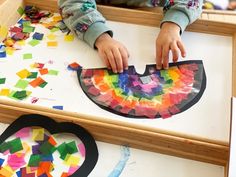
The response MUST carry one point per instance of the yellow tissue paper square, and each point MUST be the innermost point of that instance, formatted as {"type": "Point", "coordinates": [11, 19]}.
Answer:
{"type": "Point", "coordinates": [4, 92]}
{"type": "Point", "coordinates": [6, 171]}
{"type": "Point", "coordinates": [10, 50]}
{"type": "Point", "coordinates": [71, 160]}
{"type": "Point", "coordinates": [52, 44]}
{"type": "Point", "coordinates": [56, 18]}
{"type": "Point", "coordinates": [21, 42]}
{"type": "Point", "coordinates": [51, 36]}
{"type": "Point", "coordinates": [38, 134]}
{"type": "Point", "coordinates": [23, 73]}
{"type": "Point", "coordinates": [69, 38]}
{"type": "Point", "coordinates": [3, 32]}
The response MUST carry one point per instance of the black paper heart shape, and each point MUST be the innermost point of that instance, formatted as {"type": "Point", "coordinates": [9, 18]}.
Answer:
{"type": "Point", "coordinates": [11, 147]}
{"type": "Point", "coordinates": [153, 94]}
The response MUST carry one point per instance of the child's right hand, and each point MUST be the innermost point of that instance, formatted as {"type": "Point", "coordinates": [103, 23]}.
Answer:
{"type": "Point", "coordinates": [232, 5]}
{"type": "Point", "coordinates": [168, 40]}
{"type": "Point", "coordinates": [114, 54]}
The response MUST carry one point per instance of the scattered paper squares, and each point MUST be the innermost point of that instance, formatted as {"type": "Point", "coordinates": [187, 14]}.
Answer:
{"type": "Point", "coordinates": [28, 29]}
{"type": "Point", "coordinates": [56, 18]}
{"type": "Point", "coordinates": [27, 56]}
{"type": "Point", "coordinates": [38, 36]}
{"type": "Point", "coordinates": [3, 31]}
{"type": "Point", "coordinates": [23, 73]}
{"type": "Point", "coordinates": [43, 84]}
{"type": "Point", "coordinates": [43, 71]}
{"type": "Point", "coordinates": [22, 84]}
{"type": "Point", "coordinates": [4, 92]}
{"type": "Point", "coordinates": [38, 134]}
{"type": "Point", "coordinates": [20, 10]}
{"type": "Point", "coordinates": [51, 36]}
{"type": "Point", "coordinates": [9, 50]}
{"type": "Point", "coordinates": [33, 75]}
{"type": "Point", "coordinates": [58, 107]}
{"type": "Point", "coordinates": [19, 95]}
{"type": "Point", "coordinates": [2, 80]}
{"type": "Point", "coordinates": [69, 37]}
{"type": "Point", "coordinates": [36, 82]}
{"type": "Point", "coordinates": [52, 44]}
{"type": "Point", "coordinates": [73, 66]}
{"type": "Point", "coordinates": [34, 42]}
{"type": "Point", "coordinates": [53, 72]}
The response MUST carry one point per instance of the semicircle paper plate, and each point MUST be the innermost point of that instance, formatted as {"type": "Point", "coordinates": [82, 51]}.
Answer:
{"type": "Point", "coordinates": [154, 94]}
{"type": "Point", "coordinates": [37, 146]}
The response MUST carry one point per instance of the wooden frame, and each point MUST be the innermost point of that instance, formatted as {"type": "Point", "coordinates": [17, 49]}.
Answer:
{"type": "Point", "coordinates": [219, 15]}
{"type": "Point", "coordinates": [125, 133]}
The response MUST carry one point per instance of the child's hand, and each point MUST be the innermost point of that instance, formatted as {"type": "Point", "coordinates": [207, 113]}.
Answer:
{"type": "Point", "coordinates": [168, 39]}
{"type": "Point", "coordinates": [232, 5]}
{"type": "Point", "coordinates": [114, 54]}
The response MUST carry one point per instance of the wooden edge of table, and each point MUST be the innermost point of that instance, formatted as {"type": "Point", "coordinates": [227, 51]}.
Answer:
{"type": "Point", "coordinates": [219, 12]}
{"type": "Point", "coordinates": [125, 134]}
{"type": "Point", "coordinates": [227, 166]}
{"type": "Point", "coordinates": [234, 66]}
{"type": "Point", "coordinates": [167, 143]}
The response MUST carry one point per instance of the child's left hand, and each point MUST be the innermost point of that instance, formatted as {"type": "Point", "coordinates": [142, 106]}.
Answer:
{"type": "Point", "coordinates": [114, 54]}
{"type": "Point", "coordinates": [168, 39]}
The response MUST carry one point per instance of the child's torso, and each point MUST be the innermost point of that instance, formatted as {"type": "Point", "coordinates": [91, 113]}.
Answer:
{"type": "Point", "coordinates": [135, 3]}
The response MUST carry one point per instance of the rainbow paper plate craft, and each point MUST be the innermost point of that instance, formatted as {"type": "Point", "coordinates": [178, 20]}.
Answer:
{"type": "Point", "coordinates": [37, 146]}
{"type": "Point", "coordinates": [153, 94]}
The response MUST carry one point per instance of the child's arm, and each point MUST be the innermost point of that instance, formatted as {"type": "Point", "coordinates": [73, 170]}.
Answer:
{"type": "Point", "coordinates": [178, 14]}
{"type": "Point", "coordinates": [82, 17]}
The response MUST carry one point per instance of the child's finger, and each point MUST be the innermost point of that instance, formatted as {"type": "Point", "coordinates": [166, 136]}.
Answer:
{"type": "Point", "coordinates": [118, 59]}
{"type": "Point", "coordinates": [181, 48]}
{"type": "Point", "coordinates": [158, 56]}
{"type": "Point", "coordinates": [175, 52]}
{"type": "Point", "coordinates": [106, 61]}
{"type": "Point", "coordinates": [125, 55]}
{"type": "Point", "coordinates": [165, 56]}
{"type": "Point", "coordinates": [127, 52]}
{"type": "Point", "coordinates": [111, 60]}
